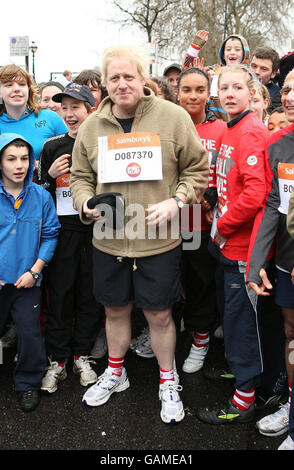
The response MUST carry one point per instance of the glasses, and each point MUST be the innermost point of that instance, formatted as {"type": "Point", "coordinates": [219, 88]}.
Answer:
{"type": "Point", "coordinates": [286, 90]}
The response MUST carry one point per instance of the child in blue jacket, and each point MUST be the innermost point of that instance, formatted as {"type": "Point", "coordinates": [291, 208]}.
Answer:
{"type": "Point", "coordinates": [28, 236]}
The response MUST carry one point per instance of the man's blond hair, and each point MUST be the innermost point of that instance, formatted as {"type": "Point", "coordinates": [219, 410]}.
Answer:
{"type": "Point", "coordinates": [135, 54]}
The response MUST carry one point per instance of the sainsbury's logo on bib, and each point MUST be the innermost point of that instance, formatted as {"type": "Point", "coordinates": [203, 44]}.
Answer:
{"type": "Point", "coordinates": [286, 184]}
{"type": "Point", "coordinates": [133, 170]}
{"type": "Point", "coordinates": [134, 140]}
{"type": "Point", "coordinates": [286, 170]}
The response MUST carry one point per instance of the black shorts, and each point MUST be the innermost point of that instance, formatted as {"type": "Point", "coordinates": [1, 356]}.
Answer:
{"type": "Point", "coordinates": [155, 284]}
{"type": "Point", "coordinates": [284, 289]}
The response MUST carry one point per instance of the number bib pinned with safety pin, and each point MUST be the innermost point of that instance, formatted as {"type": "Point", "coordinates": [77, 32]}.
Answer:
{"type": "Point", "coordinates": [133, 156]}
{"type": "Point", "coordinates": [286, 185]}
{"type": "Point", "coordinates": [64, 202]}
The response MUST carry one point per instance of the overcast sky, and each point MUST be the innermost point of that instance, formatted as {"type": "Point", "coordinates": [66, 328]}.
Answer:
{"type": "Point", "coordinates": [69, 35]}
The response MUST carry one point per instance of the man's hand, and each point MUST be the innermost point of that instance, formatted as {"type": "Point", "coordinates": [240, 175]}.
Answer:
{"type": "Point", "coordinates": [260, 289]}
{"type": "Point", "coordinates": [292, 276]}
{"type": "Point", "coordinates": [25, 281]}
{"type": "Point", "coordinates": [2, 283]}
{"type": "Point", "coordinates": [92, 214]}
{"type": "Point", "coordinates": [162, 212]}
{"type": "Point", "coordinates": [60, 166]}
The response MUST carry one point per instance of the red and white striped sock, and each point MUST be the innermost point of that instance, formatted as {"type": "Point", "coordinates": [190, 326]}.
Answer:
{"type": "Point", "coordinates": [290, 391]}
{"type": "Point", "coordinates": [200, 339]}
{"type": "Point", "coordinates": [115, 364]}
{"type": "Point", "coordinates": [166, 375]}
{"type": "Point", "coordinates": [243, 399]}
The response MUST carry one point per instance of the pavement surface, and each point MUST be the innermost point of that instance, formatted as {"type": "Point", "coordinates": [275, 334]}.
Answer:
{"type": "Point", "coordinates": [130, 421]}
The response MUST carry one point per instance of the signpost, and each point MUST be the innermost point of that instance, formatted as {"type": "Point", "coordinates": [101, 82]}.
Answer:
{"type": "Point", "coordinates": [19, 46]}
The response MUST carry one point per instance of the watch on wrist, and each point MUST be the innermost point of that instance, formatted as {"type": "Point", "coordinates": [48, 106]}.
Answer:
{"type": "Point", "coordinates": [35, 275]}
{"type": "Point", "coordinates": [179, 201]}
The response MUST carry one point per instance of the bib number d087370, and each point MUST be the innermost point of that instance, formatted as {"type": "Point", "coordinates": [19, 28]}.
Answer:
{"type": "Point", "coordinates": [133, 156]}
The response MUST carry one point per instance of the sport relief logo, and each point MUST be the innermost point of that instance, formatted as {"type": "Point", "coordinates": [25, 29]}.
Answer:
{"type": "Point", "coordinates": [133, 170]}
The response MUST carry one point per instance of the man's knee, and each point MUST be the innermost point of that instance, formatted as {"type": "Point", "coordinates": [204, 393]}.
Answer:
{"type": "Point", "coordinates": [160, 319]}
{"type": "Point", "coordinates": [118, 313]}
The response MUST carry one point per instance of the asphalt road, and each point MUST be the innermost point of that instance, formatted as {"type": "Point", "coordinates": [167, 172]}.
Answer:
{"type": "Point", "coordinates": [130, 421]}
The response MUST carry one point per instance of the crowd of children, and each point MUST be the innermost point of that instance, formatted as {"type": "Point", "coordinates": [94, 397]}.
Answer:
{"type": "Point", "coordinates": [242, 113]}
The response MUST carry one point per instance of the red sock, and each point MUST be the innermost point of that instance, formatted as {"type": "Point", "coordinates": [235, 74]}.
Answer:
{"type": "Point", "coordinates": [200, 339]}
{"type": "Point", "coordinates": [166, 375]}
{"type": "Point", "coordinates": [290, 391]}
{"type": "Point", "coordinates": [244, 398]}
{"type": "Point", "coordinates": [115, 364]}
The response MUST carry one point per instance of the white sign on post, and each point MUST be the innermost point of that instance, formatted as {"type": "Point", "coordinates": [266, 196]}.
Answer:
{"type": "Point", "coordinates": [19, 45]}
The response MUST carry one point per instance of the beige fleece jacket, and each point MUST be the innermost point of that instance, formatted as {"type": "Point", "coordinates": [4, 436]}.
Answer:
{"type": "Point", "coordinates": [184, 166]}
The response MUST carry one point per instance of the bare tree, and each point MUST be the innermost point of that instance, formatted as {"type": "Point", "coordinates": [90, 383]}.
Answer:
{"type": "Point", "coordinates": [173, 23]}
{"type": "Point", "coordinates": [147, 14]}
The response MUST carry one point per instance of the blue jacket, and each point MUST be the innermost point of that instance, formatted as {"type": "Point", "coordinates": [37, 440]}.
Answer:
{"type": "Point", "coordinates": [27, 233]}
{"type": "Point", "coordinates": [36, 129]}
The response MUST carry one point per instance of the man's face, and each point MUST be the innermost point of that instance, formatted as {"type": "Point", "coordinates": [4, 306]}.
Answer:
{"type": "Point", "coordinates": [124, 85]}
{"type": "Point", "coordinates": [262, 69]}
{"type": "Point", "coordinates": [172, 77]}
{"type": "Point", "coordinates": [288, 97]}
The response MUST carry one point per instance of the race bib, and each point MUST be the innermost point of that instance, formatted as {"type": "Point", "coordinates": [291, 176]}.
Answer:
{"type": "Point", "coordinates": [133, 156]}
{"type": "Point", "coordinates": [64, 202]}
{"type": "Point", "coordinates": [286, 184]}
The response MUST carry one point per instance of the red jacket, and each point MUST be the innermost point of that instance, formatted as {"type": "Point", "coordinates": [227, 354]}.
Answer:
{"type": "Point", "coordinates": [241, 182]}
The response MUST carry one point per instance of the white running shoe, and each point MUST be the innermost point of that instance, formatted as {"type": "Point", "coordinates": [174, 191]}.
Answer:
{"type": "Point", "coordinates": [144, 348]}
{"type": "Point", "coordinates": [55, 373]}
{"type": "Point", "coordinates": [83, 368]}
{"type": "Point", "coordinates": [139, 339]}
{"type": "Point", "coordinates": [100, 346]}
{"type": "Point", "coordinates": [287, 444]}
{"type": "Point", "coordinates": [106, 385]}
{"type": "Point", "coordinates": [195, 360]}
{"type": "Point", "coordinates": [9, 339]}
{"type": "Point", "coordinates": [276, 423]}
{"type": "Point", "coordinates": [172, 410]}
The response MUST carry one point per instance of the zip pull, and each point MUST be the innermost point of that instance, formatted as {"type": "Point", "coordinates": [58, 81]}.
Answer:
{"type": "Point", "coordinates": [135, 267]}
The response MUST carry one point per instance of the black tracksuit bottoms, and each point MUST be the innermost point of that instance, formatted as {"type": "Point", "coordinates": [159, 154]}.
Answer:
{"type": "Point", "coordinates": [73, 318]}
{"type": "Point", "coordinates": [24, 307]}
{"type": "Point", "coordinates": [198, 272]}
